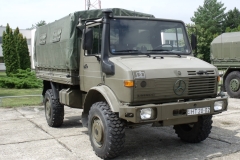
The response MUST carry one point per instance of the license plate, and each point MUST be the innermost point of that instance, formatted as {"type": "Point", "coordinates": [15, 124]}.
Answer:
{"type": "Point", "coordinates": [197, 111]}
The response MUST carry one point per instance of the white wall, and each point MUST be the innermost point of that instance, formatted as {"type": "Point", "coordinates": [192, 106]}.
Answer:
{"type": "Point", "coordinates": [32, 48]}
{"type": "Point", "coordinates": [2, 65]}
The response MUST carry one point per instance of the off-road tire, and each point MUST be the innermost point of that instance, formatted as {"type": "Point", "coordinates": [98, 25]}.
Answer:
{"type": "Point", "coordinates": [54, 110]}
{"type": "Point", "coordinates": [195, 132]}
{"type": "Point", "coordinates": [231, 76]}
{"type": "Point", "coordinates": [109, 130]}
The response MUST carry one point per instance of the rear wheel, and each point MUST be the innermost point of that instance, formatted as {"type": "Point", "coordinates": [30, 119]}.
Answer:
{"type": "Point", "coordinates": [106, 131]}
{"type": "Point", "coordinates": [195, 132]}
{"type": "Point", "coordinates": [232, 84]}
{"type": "Point", "coordinates": [54, 110]}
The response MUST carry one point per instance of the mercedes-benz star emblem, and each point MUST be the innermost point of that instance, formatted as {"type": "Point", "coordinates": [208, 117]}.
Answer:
{"type": "Point", "coordinates": [179, 87]}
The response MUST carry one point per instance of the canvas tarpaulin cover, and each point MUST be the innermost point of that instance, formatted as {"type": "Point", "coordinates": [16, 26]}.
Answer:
{"type": "Point", "coordinates": [57, 45]}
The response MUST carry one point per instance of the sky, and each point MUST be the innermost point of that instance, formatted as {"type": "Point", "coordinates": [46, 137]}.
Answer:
{"type": "Point", "coordinates": [24, 13]}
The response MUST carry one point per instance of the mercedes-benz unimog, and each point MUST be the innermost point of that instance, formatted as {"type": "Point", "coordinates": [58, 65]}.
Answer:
{"type": "Point", "coordinates": [225, 55]}
{"type": "Point", "coordinates": [123, 69]}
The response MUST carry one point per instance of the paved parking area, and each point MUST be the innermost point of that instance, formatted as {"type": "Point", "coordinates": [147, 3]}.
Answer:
{"type": "Point", "coordinates": [24, 134]}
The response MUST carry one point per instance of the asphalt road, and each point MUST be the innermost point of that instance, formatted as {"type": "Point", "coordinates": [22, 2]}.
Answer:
{"type": "Point", "coordinates": [24, 134]}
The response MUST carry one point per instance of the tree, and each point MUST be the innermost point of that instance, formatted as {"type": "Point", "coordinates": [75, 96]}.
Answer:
{"type": "Point", "coordinates": [232, 19]}
{"type": "Point", "coordinates": [25, 61]}
{"type": "Point", "coordinates": [237, 29]}
{"type": "Point", "coordinates": [10, 55]}
{"type": "Point", "coordinates": [15, 34]}
{"type": "Point", "coordinates": [15, 51]}
{"type": "Point", "coordinates": [22, 50]}
{"type": "Point", "coordinates": [209, 22]}
{"type": "Point", "coordinates": [38, 24]}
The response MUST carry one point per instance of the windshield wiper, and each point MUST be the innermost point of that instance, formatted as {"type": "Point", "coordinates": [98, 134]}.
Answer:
{"type": "Point", "coordinates": [135, 52]}
{"type": "Point", "coordinates": [127, 50]}
{"type": "Point", "coordinates": [166, 51]}
{"type": "Point", "coordinates": [158, 50]}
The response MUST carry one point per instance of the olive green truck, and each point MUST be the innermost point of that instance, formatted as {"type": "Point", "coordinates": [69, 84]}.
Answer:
{"type": "Point", "coordinates": [125, 68]}
{"type": "Point", "coordinates": [225, 55]}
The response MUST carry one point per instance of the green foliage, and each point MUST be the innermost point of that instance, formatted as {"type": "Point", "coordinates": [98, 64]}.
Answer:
{"type": "Point", "coordinates": [38, 24]}
{"type": "Point", "coordinates": [11, 57]}
{"type": "Point", "coordinates": [21, 79]}
{"type": "Point", "coordinates": [22, 50]}
{"type": "Point", "coordinates": [232, 20]}
{"type": "Point", "coordinates": [15, 35]}
{"type": "Point", "coordinates": [15, 51]}
{"type": "Point", "coordinates": [208, 20]}
{"type": "Point", "coordinates": [26, 58]}
{"type": "Point", "coordinates": [237, 29]}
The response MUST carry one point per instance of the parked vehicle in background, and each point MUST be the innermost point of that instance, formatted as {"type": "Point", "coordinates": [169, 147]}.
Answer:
{"type": "Point", "coordinates": [120, 68]}
{"type": "Point", "coordinates": [225, 55]}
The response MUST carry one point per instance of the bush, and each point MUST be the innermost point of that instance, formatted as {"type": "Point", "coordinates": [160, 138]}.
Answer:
{"type": "Point", "coordinates": [21, 79]}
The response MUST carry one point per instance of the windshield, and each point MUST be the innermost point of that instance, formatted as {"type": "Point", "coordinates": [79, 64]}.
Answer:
{"type": "Point", "coordinates": [134, 36]}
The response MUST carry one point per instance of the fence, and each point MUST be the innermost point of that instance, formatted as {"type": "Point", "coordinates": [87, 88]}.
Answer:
{"type": "Point", "coordinates": [25, 100]}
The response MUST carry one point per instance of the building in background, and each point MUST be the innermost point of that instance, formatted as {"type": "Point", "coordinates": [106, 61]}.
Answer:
{"type": "Point", "coordinates": [29, 34]}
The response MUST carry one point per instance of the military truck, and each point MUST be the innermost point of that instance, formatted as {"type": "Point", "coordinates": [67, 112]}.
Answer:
{"type": "Point", "coordinates": [225, 56]}
{"type": "Point", "coordinates": [125, 68]}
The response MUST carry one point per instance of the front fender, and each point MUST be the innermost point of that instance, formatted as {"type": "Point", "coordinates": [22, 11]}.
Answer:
{"type": "Point", "coordinates": [100, 93]}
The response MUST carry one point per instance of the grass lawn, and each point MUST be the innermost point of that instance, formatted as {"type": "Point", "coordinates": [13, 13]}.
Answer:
{"type": "Point", "coordinates": [19, 101]}
{"type": "Point", "coordinates": [2, 74]}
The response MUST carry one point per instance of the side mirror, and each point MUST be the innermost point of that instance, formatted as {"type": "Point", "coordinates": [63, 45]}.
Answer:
{"type": "Point", "coordinates": [193, 42]}
{"type": "Point", "coordinates": [88, 39]}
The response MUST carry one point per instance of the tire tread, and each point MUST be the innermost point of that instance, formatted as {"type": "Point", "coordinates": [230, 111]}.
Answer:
{"type": "Point", "coordinates": [198, 134]}
{"type": "Point", "coordinates": [230, 76]}
{"type": "Point", "coordinates": [57, 110]}
{"type": "Point", "coordinates": [116, 138]}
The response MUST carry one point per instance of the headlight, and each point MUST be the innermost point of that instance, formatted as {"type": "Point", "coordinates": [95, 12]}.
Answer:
{"type": "Point", "coordinates": [218, 105]}
{"type": "Point", "coordinates": [146, 113]}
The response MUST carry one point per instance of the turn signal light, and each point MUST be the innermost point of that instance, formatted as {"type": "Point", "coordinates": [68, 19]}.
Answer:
{"type": "Point", "coordinates": [128, 83]}
{"type": "Point", "coordinates": [218, 78]}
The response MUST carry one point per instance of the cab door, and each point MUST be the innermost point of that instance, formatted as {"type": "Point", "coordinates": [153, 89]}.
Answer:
{"type": "Point", "coordinates": [92, 72]}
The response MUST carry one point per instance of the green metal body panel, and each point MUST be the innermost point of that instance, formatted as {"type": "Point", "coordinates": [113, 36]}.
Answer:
{"type": "Point", "coordinates": [225, 54]}
{"type": "Point", "coordinates": [225, 50]}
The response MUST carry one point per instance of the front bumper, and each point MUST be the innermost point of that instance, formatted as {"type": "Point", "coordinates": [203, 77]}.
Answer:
{"type": "Point", "coordinates": [166, 113]}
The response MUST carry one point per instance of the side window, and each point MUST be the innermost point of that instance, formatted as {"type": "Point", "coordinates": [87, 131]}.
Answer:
{"type": "Point", "coordinates": [97, 40]}
{"type": "Point", "coordinates": [114, 39]}
{"type": "Point", "coordinates": [174, 38]}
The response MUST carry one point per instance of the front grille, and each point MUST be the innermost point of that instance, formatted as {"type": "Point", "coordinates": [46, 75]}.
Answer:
{"type": "Point", "coordinates": [160, 89]}
{"type": "Point", "coordinates": [190, 73]}
{"type": "Point", "coordinates": [208, 72]}
{"type": "Point", "coordinates": [201, 85]}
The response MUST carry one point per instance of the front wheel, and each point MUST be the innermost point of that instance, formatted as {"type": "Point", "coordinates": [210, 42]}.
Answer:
{"type": "Point", "coordinates": [195, 132]}
{"type": "Point", "coordinates": [106, 131]}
